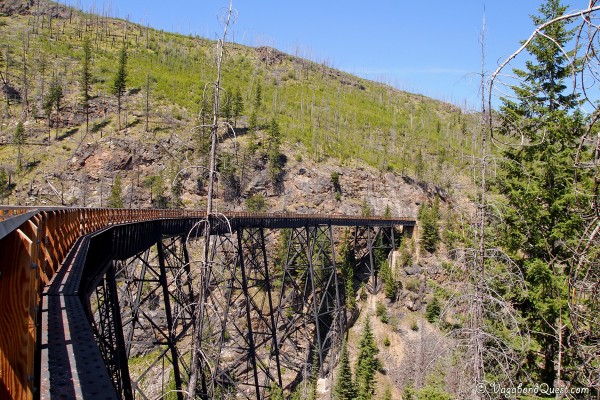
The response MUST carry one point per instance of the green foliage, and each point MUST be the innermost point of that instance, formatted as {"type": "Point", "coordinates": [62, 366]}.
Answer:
{"type": "Point", "coordinates": [276, 392]}
{"type": "Point", "coordinates": [406, 253]}
{"type": "Point", "coordinates": [387, 342]}
{"type": "Point", "coordinates": [367, 364]}
{"type": "Point", "coordinates": [3, 184]}
{"type": "Point", "coordinates": [258, 97]}
{"type": "Point", "coordinates": [433, 310]}
{"type": "Point", "coordinates": [54, 96]}
{"type": "Point", "coordinates": [388, 211]}
{"type": "Point", "coordinates": [347, 261]}
{"type": "Point", "coordinates": [429, 219]}
{"type": "Point", "coordinates": [314, 376]}
{"type": "Point", "coordinates": [238, 104]}
{"type": "Point", "coordinates": [155, 185]}
{"type": "Point", "coordinates": [419, 165]}
{"type": "Point", "coordinates": [226, 106]}
{"type": "Point", "coordinates": [344, 388]}
{"type": "Point", "coordinates": [381, 312]}
{"type": "Point", "coordinates": [86, 77]}
{"type": "Point", "coordinates": [275, 157]}
{"type": "Point", "coordinates": [543, 218]}
{"type": "Point", "coordinates": [335, 181]}
{"type": "Point", "coordinates": [229, 177]}
{"type": "Point", "coordinates": [115, 200]}
{"type": "Point", "coordinates": [176, 192]}
{"type": "Point", "coordinates": [120, 81]}
{"type": "Point", "coordinates": [390, 284]}
{"type": "Point", "coordinates": [425, 393]}
{"type": "Point", "coordinates": [256, 203]}
{"type": "Point", "coordinates": [365, 208]}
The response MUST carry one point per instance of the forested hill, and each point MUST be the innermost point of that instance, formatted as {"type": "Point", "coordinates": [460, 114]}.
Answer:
{"type": "Point", "coordinates": [321, 112]}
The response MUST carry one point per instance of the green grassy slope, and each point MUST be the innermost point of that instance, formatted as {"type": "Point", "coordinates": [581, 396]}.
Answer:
{"type": "Point", "coordinates": [327, 112]}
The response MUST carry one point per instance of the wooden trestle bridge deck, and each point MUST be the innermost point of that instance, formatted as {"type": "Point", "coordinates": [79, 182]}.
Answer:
{"type": "Point", "coordinates": [51, 258]}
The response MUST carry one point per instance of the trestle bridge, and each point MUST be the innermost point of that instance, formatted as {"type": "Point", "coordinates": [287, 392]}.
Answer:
{"type": "Point", "coordinates": [104, 303]}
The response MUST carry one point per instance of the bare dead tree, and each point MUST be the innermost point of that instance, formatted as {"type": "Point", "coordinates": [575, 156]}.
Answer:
{"type": "Point", "coordinates": [199, 310]}
{"type": "Point", "coordinates": [482, 340]}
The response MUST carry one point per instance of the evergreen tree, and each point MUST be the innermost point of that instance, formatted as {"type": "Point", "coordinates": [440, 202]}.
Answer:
{"type": "Point", "coordinates": [367, 364]}
{"type": "Point", "coordinates": [258, 97]}
{"type": "Point", "coordinates": [53, 100]}
{"type": "Point", "coordinates": [433, 310]}
{"type": "Point", "coordinates": [115, 200]}
{"type": "Point", "coordinates": [176, 192]}
{"type": "Point", "coordinates": [273, 152]}
{"type": "Point", "coordinates": [543, 218]}
{"type": "Point", "coordinates": [314, 376]}
{"type": "Point", "coordinates": [344, 388]}
{"type": "Point", "coordinates": [120, 83]}
{"type": "Point", "coordinates": [347, 263]}
{"type": "Point", "coordinates": [238, 105]}
{"type": "Point", "coordinates": [86, 81]}
{"type": "Point", "coordinates": [253, 123]}
{"type": "Point", "coordinates": [390, 285]}
{"type": "Point", "coordinates": [227, 106]}
{"type": "Point", "coordinates": [429, 219]}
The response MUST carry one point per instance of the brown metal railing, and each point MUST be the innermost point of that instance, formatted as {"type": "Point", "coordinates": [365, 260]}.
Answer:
{"type": "Point", "coordinates": [32, 251]}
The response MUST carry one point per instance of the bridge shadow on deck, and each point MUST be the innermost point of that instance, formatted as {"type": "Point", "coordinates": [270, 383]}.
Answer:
{"type": "Point", "coordinates": [74, 368]}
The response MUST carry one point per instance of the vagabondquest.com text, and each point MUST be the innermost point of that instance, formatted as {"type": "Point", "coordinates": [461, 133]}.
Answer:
{"type": "Point", "coordinates": [538, 388]}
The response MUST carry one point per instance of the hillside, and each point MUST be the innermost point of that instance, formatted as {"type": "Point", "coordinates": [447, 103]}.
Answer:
{"type": "Point", "coordinates": [322, 113]}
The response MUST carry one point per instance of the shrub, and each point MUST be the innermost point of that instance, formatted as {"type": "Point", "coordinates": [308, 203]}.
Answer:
{"type": "Point", "coordinates": [381, 312]}
{"type": "Point", "coordinates": [433, 310]}
{"type": "Point", "coordinates": [256, 203]}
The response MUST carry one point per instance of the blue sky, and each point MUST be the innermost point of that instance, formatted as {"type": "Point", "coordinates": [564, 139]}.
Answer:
{"type": "Point", "coordinates": [430, 47]}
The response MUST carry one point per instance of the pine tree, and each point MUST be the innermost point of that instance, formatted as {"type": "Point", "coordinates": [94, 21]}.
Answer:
{"type": "Point", "coordinates": [344, 388]}
{"type": "Point", "coordinates": [347, 263]}
{"type": "Point", "coordinates": [390, 285]}
{"type": "Point", "coordinates": [115, 200]}
{"type": "Point", "coordinates": [433, 310]}
{"type": "Point", "coordinates": [53, 100]}
{"type": "Point", "coordinates": [238, 105]}
{"type": "Point", "coordinates": [120, 83]}
{"type": "Point", "coordinates": [367, 364]}
{"type": "Point", "coordinates": [543, 218]}
{"type": "Point", "coordinates": [273, 152]}
{"type": "Point", "coordinates": [176, 192]}
{"type": "Point", "coordinates": [258, 97]}
{"type": "Point", "coordinates": [227, 106]}
{"type": "Point", "coordinates": [429, 220]}
{"type": "Point", "coordinates": [86, 81]}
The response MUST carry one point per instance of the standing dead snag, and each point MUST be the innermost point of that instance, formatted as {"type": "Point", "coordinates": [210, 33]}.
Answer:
{"type": "Point", "coordinates": [199, 314]}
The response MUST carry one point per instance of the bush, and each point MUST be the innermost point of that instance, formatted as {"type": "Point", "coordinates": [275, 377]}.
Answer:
{"type": "Point", "coordinates": [390, 285]}
{"type": "Point", "coordinates": [433, 310]}
{"type": "Point", "coordinates": [387, 342]}
{"type": "Point", "coordinates": [381, 312]}
{"type": "Point", "coordinates": [256, 203]}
